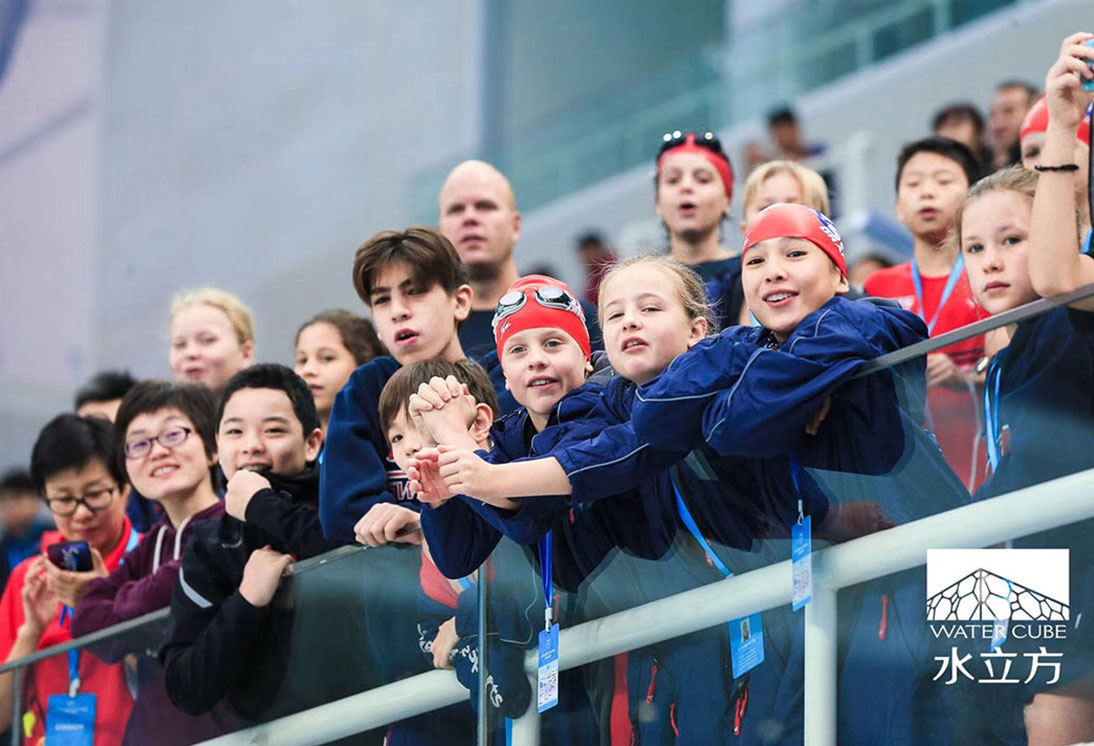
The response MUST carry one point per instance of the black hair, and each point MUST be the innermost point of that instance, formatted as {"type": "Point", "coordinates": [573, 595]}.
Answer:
{"type": "Point", "coordinates": [71, 442]}
{"type": "Point", "coordinates": [957, 152]}
{"type": "Point", "coordinates": [781, 115]}
{"type": "Point", "coordinates": [279, 378]}
{"type": "Point", "coordinates": [1031, 90]}
{"type": "Point", "coordinates": [589, 237]}
{"type": "Point", "coordinates": [106, 385]}
{"type": "Point", "coordinates": [16, 480]}
{"type": "Point", "coordinates": [197, 402]}
{"type": "Point", "coordinates": [962, 112]}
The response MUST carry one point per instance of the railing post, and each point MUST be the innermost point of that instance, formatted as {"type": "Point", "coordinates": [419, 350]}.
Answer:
{"type": "Point", "coordinates": [17, 707]}
{"type": "Point", "coordinates": [821, 633]}
{"type": "Point", "coordinates": [526, 727]}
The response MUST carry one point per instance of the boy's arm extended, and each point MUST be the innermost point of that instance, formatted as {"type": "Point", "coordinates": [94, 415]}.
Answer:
{"type": "Point", "coordinates": [353, 476]}
{"type": "Point", "coordinates": [210, 634]}
{"type": "Point", "coordinates": [459, 540]}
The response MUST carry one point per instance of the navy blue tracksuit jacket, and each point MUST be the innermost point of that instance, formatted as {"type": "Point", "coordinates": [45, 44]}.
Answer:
{"type": "Point", "coordinates": [743, 394]}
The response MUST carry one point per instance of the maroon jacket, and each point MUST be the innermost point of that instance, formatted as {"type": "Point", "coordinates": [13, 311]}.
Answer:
{"type": "Point", "coordinates": [132, 590]}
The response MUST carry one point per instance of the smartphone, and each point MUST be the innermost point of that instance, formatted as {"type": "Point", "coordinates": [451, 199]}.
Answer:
{"type": "Point", "coordinates": [74, 556]}
{"type": "Point", "coordinates": [1088, 85]}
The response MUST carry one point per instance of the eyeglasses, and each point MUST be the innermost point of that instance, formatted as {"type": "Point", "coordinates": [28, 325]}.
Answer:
{"type": "Point", "coordinates": [172, 437]}
{"type": "Point", "coordinates": [706, 140]}
{"type": "Point", "coordinates": [548, 296]}
{"type": "Point", "coordinates": [95, 500]}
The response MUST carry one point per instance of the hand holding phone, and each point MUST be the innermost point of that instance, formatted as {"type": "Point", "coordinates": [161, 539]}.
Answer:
{"type": "Point", "coordinates": [74, 556]}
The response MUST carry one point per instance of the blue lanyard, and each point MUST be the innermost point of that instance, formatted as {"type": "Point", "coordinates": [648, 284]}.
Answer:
{"type": "Point", "coordinates": [465, 583]}
{"type": "Point", "coordinates": [546, 560]}
{"type": "Point", "coordinates": [991, 410]}
{"type": "Point", "coordinates": [951, 283]}
{"type": "Point", "coordinates": [1088, 241]}
{"type": "Point", "coordinates": [693, 529]}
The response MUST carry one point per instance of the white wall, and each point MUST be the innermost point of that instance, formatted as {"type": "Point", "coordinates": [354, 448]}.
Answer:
{"type": "Point", "coordinates": [48, 214]}
{"type": "Point", "coordinates": [251, 145]}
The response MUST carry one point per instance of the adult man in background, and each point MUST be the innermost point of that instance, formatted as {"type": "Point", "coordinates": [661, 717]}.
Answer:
{"type": "Point", "coordinates": [478, 214]}
{"type": "Point", "coordinates": [1009, 105]}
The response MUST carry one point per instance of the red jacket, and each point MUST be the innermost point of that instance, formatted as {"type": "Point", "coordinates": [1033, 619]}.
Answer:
{"type": "Point", "coordinates": [50, 676]}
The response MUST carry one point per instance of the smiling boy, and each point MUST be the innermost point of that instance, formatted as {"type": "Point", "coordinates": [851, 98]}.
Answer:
{"type": "Point", "coordinates": [222, 626]}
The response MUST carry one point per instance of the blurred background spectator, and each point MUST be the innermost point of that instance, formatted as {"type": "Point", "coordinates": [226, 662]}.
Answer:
{"type": "Point", "coordinates": [23, 519]}
{"type": "Point", "coordinates": [1012, 99]}
{"type": "Point", "coordinates": [964, 123]}
{"type": "Point", "coordinates": [596, 257]}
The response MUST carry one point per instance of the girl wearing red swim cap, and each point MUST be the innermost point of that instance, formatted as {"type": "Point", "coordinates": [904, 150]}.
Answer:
{"type": "Point", "coordinates": [792, 265]}
{"type": "Point", "coordinates": [693, 190]}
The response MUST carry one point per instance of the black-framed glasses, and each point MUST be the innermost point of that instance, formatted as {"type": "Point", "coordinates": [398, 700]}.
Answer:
{"type": "Point", "coordinates": [95, 500]}
{"type": "Point", "coordinates": [707, 140]}
{"type": "Point", "coordinates": [172, 437]}
{"type": "Point", "coordinates": [548, 296]}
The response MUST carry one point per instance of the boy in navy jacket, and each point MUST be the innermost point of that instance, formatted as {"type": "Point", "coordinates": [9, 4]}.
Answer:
{"type": "Point", "coordinates": [785, 395]}
{"type": "Point", "coordinates": [418, 292]}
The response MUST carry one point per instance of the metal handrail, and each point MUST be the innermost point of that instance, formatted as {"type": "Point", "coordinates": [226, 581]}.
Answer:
{"type": "Point", "coordinates": [1030, 510]}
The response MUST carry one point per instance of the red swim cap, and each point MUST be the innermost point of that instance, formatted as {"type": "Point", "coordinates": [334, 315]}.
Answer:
{"type": "Point", "coordinates": [540, 302]}
{"type": "Point", "coordinates": [1037, 121]}
{"type": "Point", "coordinates": [709, 149]}
{"type": "Point", "coordinates": [785, 220]}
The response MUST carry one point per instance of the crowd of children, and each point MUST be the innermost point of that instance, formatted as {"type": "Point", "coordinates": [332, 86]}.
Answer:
{"type": "Point", "coordinates": [491, 431]}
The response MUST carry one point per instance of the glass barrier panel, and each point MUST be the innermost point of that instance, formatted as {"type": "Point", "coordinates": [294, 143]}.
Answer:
{"type": "Point", "coordinates": [966, 640]}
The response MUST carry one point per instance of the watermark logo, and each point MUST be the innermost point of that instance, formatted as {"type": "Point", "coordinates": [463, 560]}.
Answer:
{"type": "Point", "coordinates": [978, 599]}
{"type": "Point", "coordinates": [982, 585]}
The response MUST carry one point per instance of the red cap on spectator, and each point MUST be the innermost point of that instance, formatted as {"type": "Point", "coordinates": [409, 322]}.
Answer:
{"type": "Point", "coordinates": [797, 221]}
{"type": "Point", "coordinates": [719, 162]}
{"type": "Point", "coordinates": [1037, 121]}
{"type": "Point", "coordinates": [540, 302]}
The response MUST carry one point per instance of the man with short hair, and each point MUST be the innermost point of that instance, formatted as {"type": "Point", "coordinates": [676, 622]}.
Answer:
{"type": "Point", "coordinates": [1012, 99]}
{"type": "Point", "coordinates": [478, 214]}
{"type": "Point", "coordinates": [103, 393]}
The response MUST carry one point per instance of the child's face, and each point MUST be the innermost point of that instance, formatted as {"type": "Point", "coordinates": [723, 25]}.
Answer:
{"type": "Point", "coordinates": [99, 528]}
{"type": "Point", "coordinates": [931, 189]}
{"type": "Point", "coordinates": [167, 472]}
{"type": "Point", "coordinates": [205, 348]}
{"type": "Point", "coordinates": [995, 242]}
{"type": "Point", "coordinates": [416, 323]}
{"type": "Point", "coordinates": [323, 361]}
{"type": "Point", "coordinates": [1034, 143]}
{"type": "Point", "coordinates": [782, 186]}
{"type": "Point", "coordinates": [541, 366]}
{"type": "Point", "coordinates": [785, 280]}
{"type": "Point", "coordinates": [691, 198]}
{"type": "Point", "coordinates": [405, 439]}
{"type": "Point", "coordinates": [644, 322]}
{"type": "Point", "coordinates": [259, 429]}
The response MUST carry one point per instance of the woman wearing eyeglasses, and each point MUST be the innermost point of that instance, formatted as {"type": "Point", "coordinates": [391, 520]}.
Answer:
{"type": "Point", "coordinates": [693, 188]}
{"type": "Point", "coordinates": [166, 443]}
